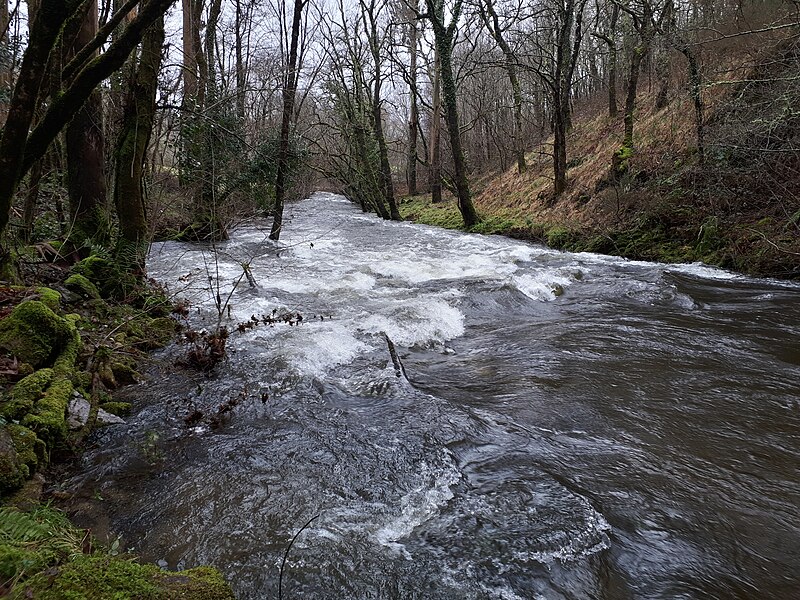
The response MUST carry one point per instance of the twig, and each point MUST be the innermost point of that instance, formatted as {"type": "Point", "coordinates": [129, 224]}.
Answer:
{"type": "Point", "coordinates": [286, 554]}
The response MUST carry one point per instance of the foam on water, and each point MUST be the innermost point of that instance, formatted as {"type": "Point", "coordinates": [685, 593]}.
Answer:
{"type": "Point", "coordinates": [416, 322]}
{"type": "Point", "coordinates": [422, 503]}
{"type": "Point", "coordinates": [543, 285]}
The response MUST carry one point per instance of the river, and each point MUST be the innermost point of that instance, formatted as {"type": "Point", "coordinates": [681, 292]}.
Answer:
{"type": "Point", "coordinates": [569, 426]}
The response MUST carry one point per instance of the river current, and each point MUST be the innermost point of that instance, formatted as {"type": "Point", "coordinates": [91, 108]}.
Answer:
{"type": "Point", "coordinates": [568, 425]}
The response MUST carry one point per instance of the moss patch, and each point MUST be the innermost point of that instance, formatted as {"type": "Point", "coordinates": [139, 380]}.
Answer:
{"type": "Point", "coordinates": [44, 557]}
{"type": "Point", "coordinates": [13, 472]}
{"type": "Point", "coordinates": [421, 210]}
{"type": "Point", "coordinates": [107, 578]}
{"type": "Point", "coordinates": [120, 409]}
{"type": "Point", "coordinates": [50, 297]}
{"type": "Point", "coordinates": [106, 276]}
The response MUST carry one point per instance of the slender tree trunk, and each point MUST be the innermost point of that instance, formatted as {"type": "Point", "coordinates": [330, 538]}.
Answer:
{"type": "Point", "coordinates": [240, 70]}
{"type": "Point", "coordinates": [86, 179]}
{"type": "Point", "coordinates": [435, 153]}
{"type": "Point", "coordinates": [289, 87]}
{"type": "Point", "coordinates": [561, 90]}
{"type": "Point", "coordinates": [5, 61]}
{"type": "Point", "coordinates": [137, 125]}
{"type": "Point", "coordinates": [385, 171]}
{"type": "Point", "coordinates": [612, 80]}
{"type": "Point", "coordinates": [413, 119]}
{"type": "Point", "coordinates": [189, 54]}
{"type": "Point", "coordinates": [696, 91]}
{"type": "Point", "coordinates": [492, 22]}
{"type": "Point", "coordinates": [630, 98]}
{"type": "Point", "coordinates": [610, 38]}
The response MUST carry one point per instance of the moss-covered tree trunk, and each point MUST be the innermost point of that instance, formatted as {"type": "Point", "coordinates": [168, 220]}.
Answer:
{"type": "Point", "coordinates": [561, 92]}
{"type": "Point", "coordinates": [134, 137]}
{"type": "Point", "coordinates": [443, 38]}
{"type": "Point", "coordinates": [31, 198]}
{"type": "Point", "coordinates": [85, 141]}
{"type": "Point", "coordinates": [5, 63]}
{"type": "Point", "coordinates": [43, 33]}
{"type": "Point", "coordinates": [20, 146]}
{"type": "Point", "coordinates": [492, 22]}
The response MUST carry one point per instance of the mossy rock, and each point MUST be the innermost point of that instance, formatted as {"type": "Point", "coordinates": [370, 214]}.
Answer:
{"type": "Point", "coordinates": [124, 373]}
{"type": "Point", "coordinates": [13, 471]}
{"type": "Point", "coordinates": [82, 286]}
{"type": "Point", "coordinates": [120, 409]}
{"type": "Point", "coordinates": [64, 365]}
{"type": "Point", "coordinates": [21, 453]}
{"type": "Point", "coordinates": [48, 417]}
{"type": "Point", "coordinates": [100, 577]}
{"type": "Point", "coordinates": [50, 297]}
{"type": "Point", "coordinates": [34, 333]}
{"type": "Point", "coordinates": [31, 451]}
{"type": "Point", "coordinates": [25, 394]}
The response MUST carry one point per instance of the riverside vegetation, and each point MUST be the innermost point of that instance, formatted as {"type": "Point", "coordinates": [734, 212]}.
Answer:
{"type": "Point", "coordinates": [72, 344]}
{"type": "Point", "coordinates": [737, 208]}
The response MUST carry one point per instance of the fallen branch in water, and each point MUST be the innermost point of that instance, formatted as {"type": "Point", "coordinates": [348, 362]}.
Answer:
{"type": "Point", "coordinates": [286, 554]}
{"type": "Point", "coordinates": [399, 369]}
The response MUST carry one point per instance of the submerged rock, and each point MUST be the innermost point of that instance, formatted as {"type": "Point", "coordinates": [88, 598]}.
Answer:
{"type": "Point", "coordinates": [106, 418]}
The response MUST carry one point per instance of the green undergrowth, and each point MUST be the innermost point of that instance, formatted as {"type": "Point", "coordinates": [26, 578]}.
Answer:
{"type": "Point", "coordinates": [44, 557]}
{"type": "Point", "coordinates": [81, 339]}
{"type": "Point", "coordinates": [667, 233]}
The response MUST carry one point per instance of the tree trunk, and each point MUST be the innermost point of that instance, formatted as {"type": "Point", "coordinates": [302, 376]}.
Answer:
{"type": "Point", "coordinates": [492, 22]}
{"type": "Point", "coordinates": [696, 91]}
{"type": "Point", "coordinates": [44, 31]}
{"type": "Point", "coordinates": [630, 98]}
{"type": "Point", "coordinates": [189, 71]}
{"type": "Point", "coordinates": [413, 119]}
{"type": "Point", "coordinates": [561, 91]}
{"type": "Point", "coordinates": [240, 71]}
{"type": "Point", "coordinates": [86, 177]}
{"type": "Point", "coordinates": [5, 63]}
{"type": "Point", "coordinates": [435, 153]}
{"type": "Point", "coordinates": [385, 173]}
{"type": "Point", "coordinates": [289, 87]}
{"type": "Point", "coordinates": [559, 152]}
{"type": "Point", "coordinates": [29, 211]}
{"type": "Point", "coordinates": [137, 125]}
{"type": "Point", "coordinates": [611, 41]}
{"type": "Point", "coordinates": [468, 213]}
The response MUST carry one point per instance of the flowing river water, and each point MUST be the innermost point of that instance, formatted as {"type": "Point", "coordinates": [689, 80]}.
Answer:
{"type": "Point", "coordinates": [571, 425]}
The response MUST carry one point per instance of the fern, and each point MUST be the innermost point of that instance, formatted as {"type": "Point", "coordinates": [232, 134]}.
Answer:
{"type": "Point", "coordinates": [17, 526]}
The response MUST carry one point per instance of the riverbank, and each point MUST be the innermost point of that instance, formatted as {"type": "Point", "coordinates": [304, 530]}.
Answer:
{"type": "Point", "coordinates": [68, 343]}
{"type": "Point", "coordinates": [735, 205]}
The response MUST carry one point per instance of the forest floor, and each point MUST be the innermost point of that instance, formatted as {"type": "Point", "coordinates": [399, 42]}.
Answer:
{"type": "Point", "coordinates": [740, 210]}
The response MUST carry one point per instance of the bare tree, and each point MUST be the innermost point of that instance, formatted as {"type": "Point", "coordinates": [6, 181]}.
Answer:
{"type": "Point", "coordinates": [444, 32]}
